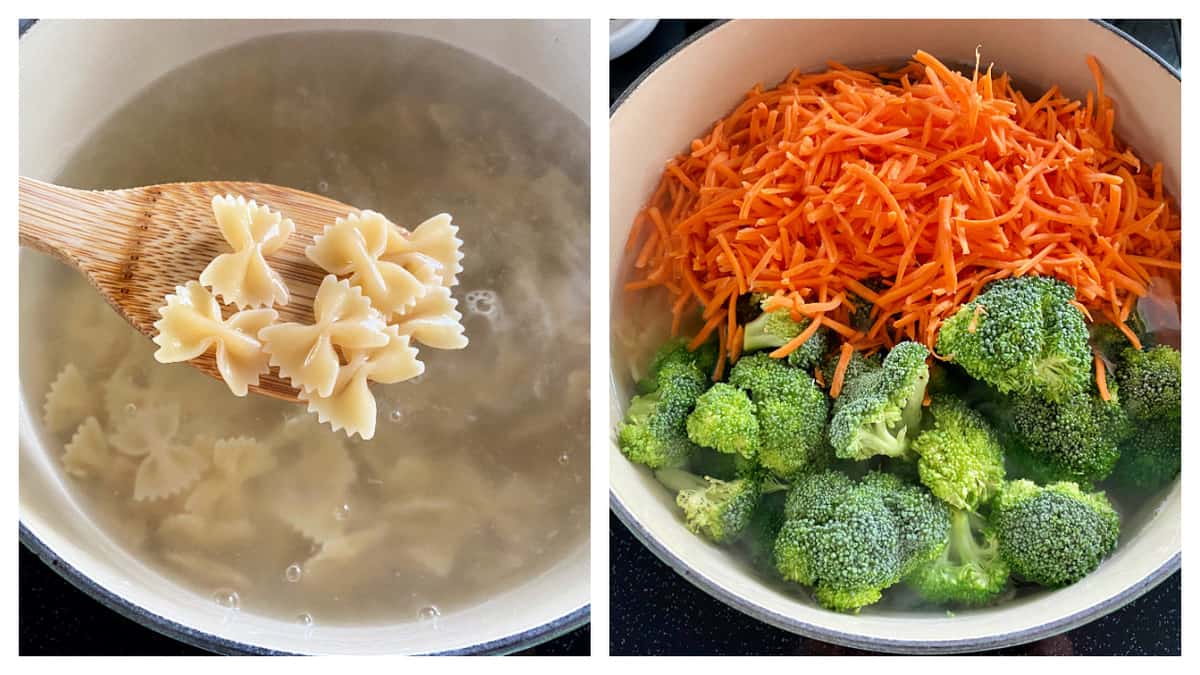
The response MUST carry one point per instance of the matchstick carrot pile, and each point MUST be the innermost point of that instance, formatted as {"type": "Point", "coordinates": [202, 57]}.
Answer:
{"type": "Point", "coordinates": [908, 190]}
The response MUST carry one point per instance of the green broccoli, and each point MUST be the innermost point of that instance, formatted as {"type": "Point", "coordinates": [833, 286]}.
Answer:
{"type": "Point", "coordinates": [849, 540]}
{"type": "Point", "coordinates": [716, 509]}
{"type": "Point", "coordinates": [879, 411]}
{"type": "Point", "coordinates": [654, 432]}
{"type": "Point", "coordinates": [792, 432]}
{"type": "Point", "coordinates": [1151, 457]}
{"type": "Point", "coordinates": [791, 411]}
{"type": "Point", "coordinates": [969, 571]}
{"type": "Point", "coordinates": [724, 419]}
{"type": "Point", "coordinates": [923, 520]}
{"type": "Point", "coordinates": [1023, 336]}
{"type": "Point", "coordinates": [1075, 440]}
{"type": "Point", "coordinates": [675, 351]}
{"type": "Point", "coordinates": [1053, 535]}
{"type": "Point", "coordinates": [776, 328]}
{"type": "Point", "coordinates": [1150, 383]}
{"type": "Point", "coordinates": [961, 460]}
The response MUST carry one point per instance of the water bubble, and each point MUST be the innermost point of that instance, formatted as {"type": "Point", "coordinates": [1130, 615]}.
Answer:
{"type": "Point", "coordinates": [396, 415]}
{"type": "Point", "coordinates": [130, 408]}
{"type": "Point", "coordinates": [428, 613]}
{"type": "Point", "coordinates": [483, 302]}
{"type": "Point", "coordinates": [322, 186]}
{"type": "Point", "coordinates": [305, 619]}
{"type": "Point", "coordinates": [293, 573]}
{"type": "Point", "coordinates": [342, 512]}
{"type": "Point", "coordinates": [564, 459]}
{"type": "Point", "coordinates": [226, 598]}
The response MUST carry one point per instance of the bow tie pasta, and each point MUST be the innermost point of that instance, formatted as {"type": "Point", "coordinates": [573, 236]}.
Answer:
{"type": "Point", "coordinates": [191, 324]}
{"type": "Point", "coordinates": [243, 277]}
{"type": "Point", "coordinates": [436, 239]}
{"type": "Point", "coordinates": [305, 354]}
{"type": "Point", "coordinates": [350, 405]}
{"type": "Point", "coordinates": [167, 466]}
{"type": "Point", "coordinates": [395, 294]}
{"type": "Point", "coordinates": [353, 245]}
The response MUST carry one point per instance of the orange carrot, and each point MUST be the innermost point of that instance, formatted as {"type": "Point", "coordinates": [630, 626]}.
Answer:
{"type": "Point", "coordinates": [925, 181]}
{"type": "Point", "coordinates": [839, 373]}
{"type": "Point", "coordinates": [1101, 379]}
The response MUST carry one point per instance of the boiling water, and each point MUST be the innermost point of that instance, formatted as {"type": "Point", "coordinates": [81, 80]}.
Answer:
{"type": "Point", "coordinates": [477, 478]}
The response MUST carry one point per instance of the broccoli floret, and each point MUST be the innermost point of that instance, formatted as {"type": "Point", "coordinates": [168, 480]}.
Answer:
{"type": "Point", "coordinates": [849, 540]}
{"type": "Point", "coordinates": [1022, 336]}
{"type": "Point", "coordinates": [961, 460]}
{"type": "Point", "coordinates": [791, 410]}
{"type": "Point", "coordinates": [1075, 440]}
{"type": "Point", "coordinates": [716, 509]}
{"type": "Point", "coordinates": [724, 419]}
{"type": "Point", "coordinates": [675, 352]}
{"type": "Point", "coordinates": [792, 431]}
{"type": "Point", "coordinates": [1151, 457]}
{"type": "Point", "coordinates": [856, 366]}
{"type": "Point", "coordinates": [765, 377]}
{"type": "Point", "coordinates": [849, 552]}
{"type": "Point", "coordinates": [923, 520]}
{"type": "Point", "coordinates": [1053, 535]}
{"type": "Point", "coordinates": [969, 571]}
{"type": "Point", "coordinates": [879, 411]}
{"type": "Point", "coordinates": [776, 328]}
{"type": "Point", "coordinates": [1150, 383]}
{"type": "Point", "coordinates": [654, 432]}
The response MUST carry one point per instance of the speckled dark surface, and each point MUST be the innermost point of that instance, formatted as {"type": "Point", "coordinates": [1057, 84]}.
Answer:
{"type": "Point", "coordinates": [655, 611]}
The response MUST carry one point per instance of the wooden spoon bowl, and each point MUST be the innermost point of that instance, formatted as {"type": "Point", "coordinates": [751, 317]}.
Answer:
{"type": "Point", "coordinates": [136, 245]}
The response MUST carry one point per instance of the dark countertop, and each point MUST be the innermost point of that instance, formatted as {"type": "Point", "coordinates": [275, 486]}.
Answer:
{"type": "Point", "coordinates": [654, 611]}
{"type": "Point", "coordinates": [57, 619]}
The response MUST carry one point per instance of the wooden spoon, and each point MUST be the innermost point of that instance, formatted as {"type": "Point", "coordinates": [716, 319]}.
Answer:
{"type": "Point", "coordinates": [136, 245]}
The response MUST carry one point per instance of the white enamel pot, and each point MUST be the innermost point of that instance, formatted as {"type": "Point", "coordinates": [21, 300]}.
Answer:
{"type": "Point", "coordinates": [700, 82]}
{"type": "Point", "coordinates": [73, 76]}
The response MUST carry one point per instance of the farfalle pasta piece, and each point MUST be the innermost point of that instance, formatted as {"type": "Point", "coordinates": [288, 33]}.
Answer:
{"type": "Point", "coordinates": [353, 245]}
{"type": "Point", "coordinates": [307, 492]}
{"type": "Point", "coordinates": [306, 354]}
{"type": "Point", "coordinates": [167, 467]}
{"type": "Point", "coordinates": [434, 321]}
{"type": "Point", "coordinates": [351, 405]}
{"type": "Point", "coordinates": [236, 461]}
{"type": "Point", "coordinates": [68, 401]}
{"type": "Point", "coordinates": [181, 530]}
{"type": "Point", "coordinates": [253, 231]}
{"type": "Point", "coordinates": [191, 324]}
{"type": "Point", "coordinates": [337, 552]}
{"type": "Point", "coordinates": [436, 238]}
{"type": "Point", "coordinates": [89, 455]}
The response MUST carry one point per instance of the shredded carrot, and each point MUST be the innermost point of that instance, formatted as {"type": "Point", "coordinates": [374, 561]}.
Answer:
{"type": "Point", "coordinates": [1101, 378]}
{"type": "Point", "coordinates": [819, 377]}
{"type": "Point", "coordinates": [839, 373]}
{"type": "Point", "coordinates": [924, 181]}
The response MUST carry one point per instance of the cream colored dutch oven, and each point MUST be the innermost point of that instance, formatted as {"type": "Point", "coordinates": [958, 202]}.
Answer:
{"type": "Point", "coordinates": [73, 75]}
{"type": "Point", "coordinates": [679, 98]}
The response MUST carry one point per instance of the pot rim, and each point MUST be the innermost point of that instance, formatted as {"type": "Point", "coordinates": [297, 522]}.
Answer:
{"type": "Point", "coordinates": [898, 646]}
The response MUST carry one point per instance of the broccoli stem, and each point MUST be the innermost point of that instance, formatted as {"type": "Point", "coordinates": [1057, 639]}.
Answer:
{"type": "Point", "coordinates": [678, 479]}
{"type": "Point", "coordinates": [757, 337]}
{"type": "Point", "coordinates": [879, 439]}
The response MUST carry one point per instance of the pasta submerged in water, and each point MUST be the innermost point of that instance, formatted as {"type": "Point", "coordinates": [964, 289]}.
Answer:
{"type": "Point", "coordinates": [397, 292]}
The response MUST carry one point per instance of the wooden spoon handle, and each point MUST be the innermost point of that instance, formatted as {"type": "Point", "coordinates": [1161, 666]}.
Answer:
{"type": "Point", "coordinates": [82, 227]}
